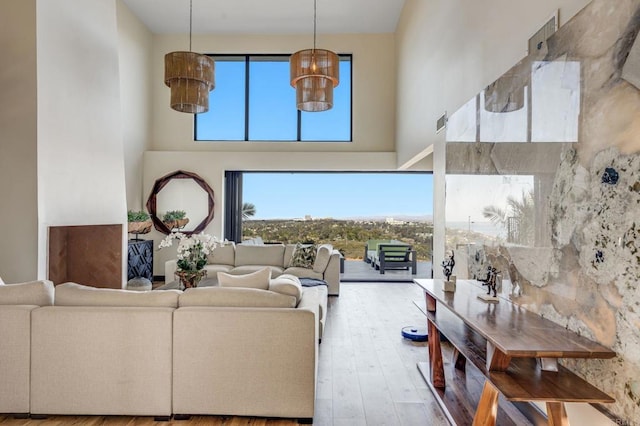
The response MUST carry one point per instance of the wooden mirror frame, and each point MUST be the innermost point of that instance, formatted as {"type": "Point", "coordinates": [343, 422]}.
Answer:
{"type": "Point", "coordinates": [161, 183]}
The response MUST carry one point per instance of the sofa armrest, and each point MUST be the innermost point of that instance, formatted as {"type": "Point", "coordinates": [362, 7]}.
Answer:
{"type": "Point", "coordinates": [170, 268]}
{"type": "Point", "coordinates": [311, 303]}
{"type": "Point", "coordinates": [332, 274]}
{"type": "Point", "coordinates": [15, 356]}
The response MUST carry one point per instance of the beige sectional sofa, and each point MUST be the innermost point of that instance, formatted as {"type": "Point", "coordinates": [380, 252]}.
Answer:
{"type": "Point", "coordinates": [244, 258]}
{"type": "Point", "coordinates": [81, 350]}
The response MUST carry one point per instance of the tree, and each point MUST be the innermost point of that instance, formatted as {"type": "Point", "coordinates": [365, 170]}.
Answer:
{"type": "Point", "coordinates": [518, 218]}
{"type": "Point", "coordinates": [248, 210]}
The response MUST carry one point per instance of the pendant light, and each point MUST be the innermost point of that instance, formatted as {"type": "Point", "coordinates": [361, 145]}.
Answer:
{"type": "Point", "coordinates": [190, 76]}
{"type": "Point", "coordinates": [314, 74]}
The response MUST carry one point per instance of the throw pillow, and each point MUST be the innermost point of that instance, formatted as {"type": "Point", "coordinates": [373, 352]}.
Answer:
{"type": "Point", "coordinates": [1, 282]}
{"type": "Point", "coordinates": [304, 256]}
{"type": "Point", "coordinates": [322, 258]}
{"type": "Point", "coordinates": [259, 279]}
{"type": "Point", "coordinates": [287, 284]}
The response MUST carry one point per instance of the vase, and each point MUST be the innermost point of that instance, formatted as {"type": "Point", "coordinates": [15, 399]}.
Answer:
{"type": "Point", "coordinates": [139, 227]}
{"type": "Point", "coordinates": [190, 279]}
{"type": "Point", "coordinates": [176, 224]}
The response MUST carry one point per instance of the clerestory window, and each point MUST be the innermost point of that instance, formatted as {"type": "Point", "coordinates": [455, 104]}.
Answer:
{"type": "Point", "coordinates": [253, 101]}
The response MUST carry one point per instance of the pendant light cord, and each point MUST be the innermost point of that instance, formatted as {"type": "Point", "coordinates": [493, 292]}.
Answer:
{"type": "Point", "coordinates": [314, 24]}
{"type": "Point", "coordinates": [191, 21]}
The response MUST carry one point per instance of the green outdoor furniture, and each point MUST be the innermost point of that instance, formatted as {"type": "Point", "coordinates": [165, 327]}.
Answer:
{"type": "Point", "coordinates": [390, 254]}
{"type": "Point", "coordinates": [371, 248]}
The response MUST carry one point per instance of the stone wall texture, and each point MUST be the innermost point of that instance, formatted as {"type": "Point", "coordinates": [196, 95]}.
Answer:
{"type": "Point", "coordinates": [582, 267]}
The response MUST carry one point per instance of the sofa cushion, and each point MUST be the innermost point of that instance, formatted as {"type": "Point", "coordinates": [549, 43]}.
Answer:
{"type": "Point", "coordinates": [323, 255]}
{"type": "Point", "coordinates": [269, 255]}
{"type": "Point", "coordinates": [235, 298]}
{"type": "Point", "coordinates": [212, 270]}
{"type": "Point", "coordinates": [303, 256]}
{"type": "Point", "coordinates": [39, 293]}
{"type": "Point", "coordinates": [287, 284]}
{"type": "Point", "coordinates": [72, 294]}
{"type": "Point", "coordinates": [223, 255]}
{"type": "Point", "coordinates": [304, 273]}
{"type": "Point", "coordinates": [258, 279]}
{"type": "Point", "coordinates": [248, 269]}
{"type": "Point", "coordinates": [288, 254]}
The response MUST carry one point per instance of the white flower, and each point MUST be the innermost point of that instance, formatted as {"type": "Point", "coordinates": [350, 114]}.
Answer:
{"type": "Point", "coordinates": [192, 250]}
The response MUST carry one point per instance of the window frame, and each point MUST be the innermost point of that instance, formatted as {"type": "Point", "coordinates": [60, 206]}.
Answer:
{"type": "Point", "coordinates": [247, 62]}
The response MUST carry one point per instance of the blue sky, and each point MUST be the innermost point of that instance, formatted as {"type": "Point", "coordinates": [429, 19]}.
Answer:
{"type": "Point", "coordinates": [272, 113]}
{"type": "Point", "coordinates": [338, 195]}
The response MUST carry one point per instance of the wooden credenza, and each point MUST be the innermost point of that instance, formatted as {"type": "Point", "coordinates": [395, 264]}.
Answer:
{"type": "Point", "coordinates": [515, 351]}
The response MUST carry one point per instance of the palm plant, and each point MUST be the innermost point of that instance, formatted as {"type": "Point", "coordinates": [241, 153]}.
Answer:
{"type": "Point", "coordinates": [248, 210]}
{"type": "Point", "coordinates": [518, 218]}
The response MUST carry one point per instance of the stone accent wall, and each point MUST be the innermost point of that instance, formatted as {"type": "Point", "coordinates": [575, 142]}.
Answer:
{"type": "Point", "coordinates": [583, 269]}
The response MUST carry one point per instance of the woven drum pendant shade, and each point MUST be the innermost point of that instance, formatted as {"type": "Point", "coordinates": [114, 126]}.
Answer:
{"type": "Point", "coordinates": [314, 73]}
{"type": "Point", "coordinates": [191, 77]}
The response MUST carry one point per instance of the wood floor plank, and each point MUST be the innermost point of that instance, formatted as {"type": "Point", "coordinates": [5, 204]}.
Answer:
{"type": "Point", "coordinates": [378, 403]}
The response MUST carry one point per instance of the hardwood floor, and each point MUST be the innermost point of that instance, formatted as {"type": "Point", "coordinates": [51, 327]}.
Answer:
{"type": "Point", "coordinates": [367, 371]}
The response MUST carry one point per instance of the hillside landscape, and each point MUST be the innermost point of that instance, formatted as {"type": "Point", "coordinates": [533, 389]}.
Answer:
{"type": "Point", "coordinates": [348, 236]}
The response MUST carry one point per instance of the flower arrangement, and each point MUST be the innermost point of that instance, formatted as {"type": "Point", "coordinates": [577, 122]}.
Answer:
{"type": "Point", "coordinates": [192, 255]}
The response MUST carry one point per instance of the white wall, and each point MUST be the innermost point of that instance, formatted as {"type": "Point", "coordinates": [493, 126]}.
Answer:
{"type": "Point", "coordinates": [373, 90]}
{"type": "Point", "coordinates": [136, 47]}
{"type": "Point", "coordinates": [80, 152]}
{"type": "Point", "coordinates": [18, 142]}
{"type": "Point", "coordinates": [448, 50]}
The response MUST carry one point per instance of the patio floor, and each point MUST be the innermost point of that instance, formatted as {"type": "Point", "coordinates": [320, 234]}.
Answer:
{"type": "Point", "coordinates": [358, 270]}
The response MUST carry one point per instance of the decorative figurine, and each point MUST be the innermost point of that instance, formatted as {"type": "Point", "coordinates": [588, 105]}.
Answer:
{"type": "Point", "coordinates": [447, 265]}
{"type": "Point", "coordinates": [491, 283]}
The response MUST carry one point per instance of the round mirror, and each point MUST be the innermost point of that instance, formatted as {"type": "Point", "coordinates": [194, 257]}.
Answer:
{"type": "Point", "coordinates": [181, 201]}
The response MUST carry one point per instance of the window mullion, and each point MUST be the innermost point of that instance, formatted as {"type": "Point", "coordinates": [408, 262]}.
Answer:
{"type": "Point", "coordinates": [246, 97]}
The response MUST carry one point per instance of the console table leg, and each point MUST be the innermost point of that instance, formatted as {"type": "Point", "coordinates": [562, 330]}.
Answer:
{"type": "Point", "coordinates": [459, 361]}
{"type": "Point", "coordinates": [487, 410]}
{"type": "Point", "coordinates": [496, 359]}
{"type": "Point", "coordinates": [557, 414]}
{"type": "Point", "coordinates": [435, 357]}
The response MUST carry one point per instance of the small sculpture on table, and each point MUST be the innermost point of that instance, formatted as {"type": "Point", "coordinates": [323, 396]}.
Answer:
{"type": "Point", "coordinates": [447, 269]}
{"type": "Point", "coordinates": [491, 282]}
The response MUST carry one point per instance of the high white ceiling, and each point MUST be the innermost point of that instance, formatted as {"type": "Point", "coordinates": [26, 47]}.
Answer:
{"type": "Point", "coordinates": [268, 16]}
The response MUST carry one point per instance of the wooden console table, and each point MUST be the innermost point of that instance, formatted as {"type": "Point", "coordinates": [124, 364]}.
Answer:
{"type": "Point", "coordinates": [515, 350]}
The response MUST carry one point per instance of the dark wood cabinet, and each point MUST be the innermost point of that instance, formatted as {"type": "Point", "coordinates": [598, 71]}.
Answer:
{"type": "Point", "coordinates": [140, 259]}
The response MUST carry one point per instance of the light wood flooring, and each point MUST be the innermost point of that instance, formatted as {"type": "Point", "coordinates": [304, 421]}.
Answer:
{"type": "Point", "coordinates": [367, 371]}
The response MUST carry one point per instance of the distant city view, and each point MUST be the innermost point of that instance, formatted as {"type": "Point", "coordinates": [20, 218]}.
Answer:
{"type": "Point", "coordinates": [344, 209]}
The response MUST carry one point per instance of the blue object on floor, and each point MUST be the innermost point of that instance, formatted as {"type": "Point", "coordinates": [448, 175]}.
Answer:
{"type": "Point", "coordinates": [417, 334]}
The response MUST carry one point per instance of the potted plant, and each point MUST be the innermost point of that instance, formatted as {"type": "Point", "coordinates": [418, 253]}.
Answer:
{"type": "Point", "coordinates": [193, 251]}
{"type": "Point", "coordinates": [138, 222]}
{"type": "Point", "coordinates": [175, 219]}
